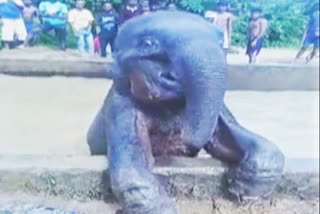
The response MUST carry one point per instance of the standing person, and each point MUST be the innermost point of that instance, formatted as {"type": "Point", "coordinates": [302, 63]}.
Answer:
{"type": "Point", "coordinates": [311, 36]}
{"type": "Point", "coordinates": [30, 12]}
{"type": "Point", "coordinates": [145, 7]}
{"type": "Point", "coordinates": [223, 20]}
{"type": "Point", "coordinates": [159, 4]}
{"type": "Point", "coordinates": [171, 7]}
{"type": "Point", "coordinates": [107, 26]}
{"type": "Point", "coordinates": [257, 30]}
{"type": "Point", "coordinates": [12, 23]}
{"type": "Point", "coordinates": [54, 17]}
{"type": "Point", "coordinates": [131, 9]}
{"type": "Point", "coordinates": [81, 21]}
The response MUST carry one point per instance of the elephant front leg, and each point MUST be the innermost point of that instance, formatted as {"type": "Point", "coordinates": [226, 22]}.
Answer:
{"type": "Point", "coordinates": [96, 137]}
{"type": "Point", "coordinates": [255, 164]}
{"type": "Point", "coordinates": [130, 163]}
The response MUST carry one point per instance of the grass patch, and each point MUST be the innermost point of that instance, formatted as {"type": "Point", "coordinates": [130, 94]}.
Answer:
{"type": "Point", "coordinates": [51, 40]}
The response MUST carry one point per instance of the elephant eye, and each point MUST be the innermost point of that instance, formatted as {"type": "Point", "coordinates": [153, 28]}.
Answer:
{"type": "Point", "coordinates": [148, 43]}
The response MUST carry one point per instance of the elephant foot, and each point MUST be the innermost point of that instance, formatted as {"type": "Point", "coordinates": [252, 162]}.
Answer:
{"type": "Point", "coordinates": [246, 190]}
{"type": "Point", "coordinates": [119, 212]}
{"type": "Point", "coordinates": [255, 177]}
{"type": "Point", "coordinates": [142, 196]}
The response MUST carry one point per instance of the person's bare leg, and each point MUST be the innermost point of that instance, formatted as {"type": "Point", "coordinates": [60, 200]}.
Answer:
{"type": "Point", "coordinates": [250, 58]}
{"type": "Point", "coordinates": [254, 57]}
{"type": "Point", "coordinates": [7, 45]}
{"type": "Point", "coordinates": [300, 52]}
{"type": "Point", "coordinates": [312, 54]}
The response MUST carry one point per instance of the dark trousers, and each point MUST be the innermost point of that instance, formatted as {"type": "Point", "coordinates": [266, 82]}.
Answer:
{"type": "Point", "coordinates": [60, 31]}
{"type": "Point", "coordinates": [105, 39]}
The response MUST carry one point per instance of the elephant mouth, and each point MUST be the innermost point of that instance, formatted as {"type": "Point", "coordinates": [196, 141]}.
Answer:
{"type": "Point", "coordinates": [168, 80]}
{"type": "Point", "coordinates": [153, 88]}
{"type": "Point", "coordinates": [152, 77]}
{"type": "Point", "coordinates": [140, 88]}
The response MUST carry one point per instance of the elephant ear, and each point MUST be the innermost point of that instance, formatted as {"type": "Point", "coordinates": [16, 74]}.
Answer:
{"type": "Point", "coordinates": [115, 71]}
{"type": "Point", "coordinates": [120, 80]}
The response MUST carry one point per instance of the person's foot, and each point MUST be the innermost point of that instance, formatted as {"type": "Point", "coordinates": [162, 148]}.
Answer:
{"type": "Point", "coordinates": [295, 60]}
{"type": "Point", "coordinates": [308, 58]}
{"type": "Point", "coordinates": [63, 47]}
{"type": "Point", "coordinates": [6, 45]}
{"type": "Point", "coordinates": [22, 46]}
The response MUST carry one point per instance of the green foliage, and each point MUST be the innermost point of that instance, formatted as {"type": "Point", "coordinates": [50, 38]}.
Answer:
{"type": "Point", "coordinates": [50, 40]}
{"type": "Point", "coordinates": [287, 18]}
{"type": "Point", "coordinates": [192, 5]}
{"type": "Point", "coordinates": [240, 31]}
{"type": "Point", "coordinates": [287, 24]}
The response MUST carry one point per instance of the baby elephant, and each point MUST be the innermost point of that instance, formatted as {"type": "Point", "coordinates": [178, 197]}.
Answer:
{"type": "Point", "coordinates": [169, 82]}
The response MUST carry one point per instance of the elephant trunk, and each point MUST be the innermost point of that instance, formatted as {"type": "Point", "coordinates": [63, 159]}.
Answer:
{"type": "Point", "coordinates": [204, 87]}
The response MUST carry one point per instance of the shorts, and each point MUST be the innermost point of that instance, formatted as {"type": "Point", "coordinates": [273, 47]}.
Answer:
{"type": "Point", "coordinates": [60, 31]}
{"type": "Point", "coordinates": [29, 27]}
{"type": "Point", "coordinates": [311, 41]}
{"type": "Point", "coordinates": [256, 48]}
{"type": "Point", "coordinates": [12, 27]}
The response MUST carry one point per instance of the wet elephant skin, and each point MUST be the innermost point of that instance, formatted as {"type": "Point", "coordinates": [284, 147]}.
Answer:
{"type": "Point", "coordinates": [167, 99]}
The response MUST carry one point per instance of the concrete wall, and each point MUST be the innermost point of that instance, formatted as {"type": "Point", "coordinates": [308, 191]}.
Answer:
{"type": "Point", "coordinates": [273, 77]}
{"type": "Point", "coordinates": [240, 77]}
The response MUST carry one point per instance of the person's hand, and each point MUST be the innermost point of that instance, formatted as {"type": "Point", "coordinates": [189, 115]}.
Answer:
{"type": "Point", "coordinates": [75, 32]}
{"type": "Point", "coordinates": [88, 28]}
{"type": "Point", "coordinates": [52, 13]}
{"type": "Point", "coordinates": [98, 30]}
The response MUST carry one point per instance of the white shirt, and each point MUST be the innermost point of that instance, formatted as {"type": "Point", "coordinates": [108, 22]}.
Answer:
{"type": "Point", "coordinates": [80, 19]}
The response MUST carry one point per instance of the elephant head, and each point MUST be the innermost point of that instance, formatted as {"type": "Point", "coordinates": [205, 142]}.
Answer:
{"type": "Point", "coordinates": [175, 56]}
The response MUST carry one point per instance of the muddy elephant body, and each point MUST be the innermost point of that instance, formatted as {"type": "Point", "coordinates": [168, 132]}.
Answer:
{"type": "Point", "coordinates": [167, 99]}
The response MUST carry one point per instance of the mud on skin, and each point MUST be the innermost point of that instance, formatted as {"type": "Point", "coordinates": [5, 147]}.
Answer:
{"type": "Point", "coordinates": [167, 99]}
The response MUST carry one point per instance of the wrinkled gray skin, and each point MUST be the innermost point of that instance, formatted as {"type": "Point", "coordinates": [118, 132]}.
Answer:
{"type": "Point", "coordinates": [167, 99]}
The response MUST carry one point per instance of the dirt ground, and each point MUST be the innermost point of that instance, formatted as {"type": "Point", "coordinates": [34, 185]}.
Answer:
{"type": "Point", "coordinates": [271, 55]}
{"type": "Point", "coordinates": [214, 206]}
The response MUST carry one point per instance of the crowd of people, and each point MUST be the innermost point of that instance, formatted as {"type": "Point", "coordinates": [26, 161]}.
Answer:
{"type": "Point", "coordinates": [257, 30]}
{"type": "Point", "coordinates": [19, 29]}
{"type": "Point", "coordinates": [19, 17]}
